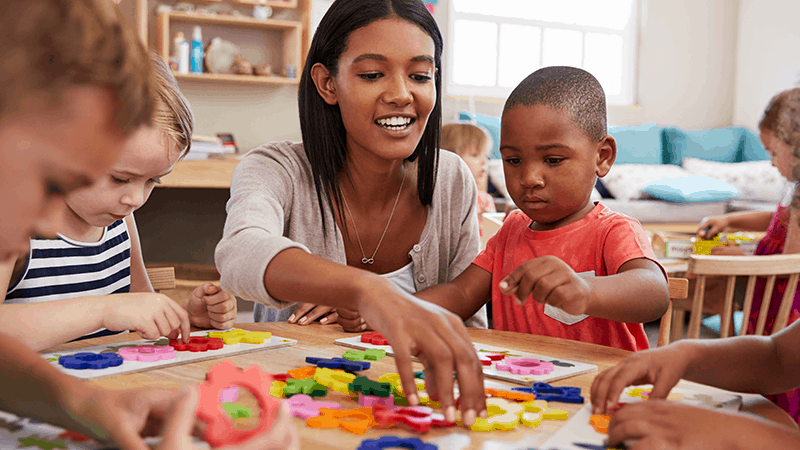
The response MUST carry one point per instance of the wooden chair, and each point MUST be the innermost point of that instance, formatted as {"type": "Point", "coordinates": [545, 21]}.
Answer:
{"type": "Point", "coordinates": [678, 290]}
{"type": "Point", "coordinates": [162, 278]}
{"type": "Point", "coordinates": [770, 267]}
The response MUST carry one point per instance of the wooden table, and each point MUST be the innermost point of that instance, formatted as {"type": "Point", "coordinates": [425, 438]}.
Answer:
{"type": "Point", "coordinates": [318, 340]}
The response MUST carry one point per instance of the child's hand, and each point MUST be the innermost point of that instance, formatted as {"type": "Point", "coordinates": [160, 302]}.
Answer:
{"type": "Point", "coordinates": [211, 307]}
{"type": "Point", "coordinates": [351, 321]}
{"type": "Point", "coordinates": [730, 249]}
{"type": "Point", "coordinates": [307, 313]}
{"type": "Point", "coordinates": [662, 367]}
{"type": "Point", "coordinates": [149, 314]}
{"type": "Point", "coordinates": [658, 424]}
{"type": "Point", "coordinates": [551, 281]}
{"type": "Point", "coordinates": [711, 226]}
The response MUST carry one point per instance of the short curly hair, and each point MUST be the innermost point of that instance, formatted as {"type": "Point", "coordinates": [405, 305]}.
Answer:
{"type": "Point", "coordinates": [569, 89]}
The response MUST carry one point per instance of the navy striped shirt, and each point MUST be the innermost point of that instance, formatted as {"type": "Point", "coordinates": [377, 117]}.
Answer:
{"type": "Point", "coordinates": [62, 268]}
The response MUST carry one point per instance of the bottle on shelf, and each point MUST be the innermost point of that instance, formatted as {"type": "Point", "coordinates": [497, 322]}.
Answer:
{"type": "Point", "coordinates": [197, 50]}
{"type": "Point", "coordinates": [182, 52]}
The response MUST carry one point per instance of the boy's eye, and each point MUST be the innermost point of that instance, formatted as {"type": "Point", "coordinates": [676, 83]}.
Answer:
{"type": "Point", "coordinates": [370, 76]}
{"type": "Point", "coordinates": [421, 78]}
{"type": "Point", "coordinates": [118, 180]}
{"type": "Point", "coordinates": [154, 181]}
{"type": "Point", "coordinates": [553, 161]}
{"type": "Point", "coordinates": [512, 161]}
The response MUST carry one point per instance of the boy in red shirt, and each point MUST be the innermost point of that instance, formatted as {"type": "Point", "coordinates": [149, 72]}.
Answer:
{"type": "Point", "coordinates": [591, 272]}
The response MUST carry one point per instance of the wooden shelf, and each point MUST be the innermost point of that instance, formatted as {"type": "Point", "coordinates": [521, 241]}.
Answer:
{"type": "Point", "coordinates": [216, 77]}
{"type": "Point", "coordinates": [201, 173]}
{"type": "Point", "coordinates": [242, 21]}
{"type": "Point", "coordinates": [270, 3]}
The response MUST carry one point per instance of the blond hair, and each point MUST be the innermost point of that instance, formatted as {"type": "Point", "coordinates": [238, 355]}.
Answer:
{"type": "Point", "coordinates": [172, 113]}
{"type": "Point", "coordinates": [459, 137]}
{"type": "Point", "coordinates": [782, 118]}
{"type": "Point", "coordinates": [51, 46]}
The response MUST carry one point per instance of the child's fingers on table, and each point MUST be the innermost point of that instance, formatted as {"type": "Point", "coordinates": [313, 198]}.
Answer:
{"type": "Point", "coordinates": [402, 358]}
{"type": "Point", "coordinates": [469, 372]}
{"type": "Point", "coordinates": [179, 319]}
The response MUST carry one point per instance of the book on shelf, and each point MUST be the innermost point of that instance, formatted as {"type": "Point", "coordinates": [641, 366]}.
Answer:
{"type": "Point", "coordinates": [208, 147]}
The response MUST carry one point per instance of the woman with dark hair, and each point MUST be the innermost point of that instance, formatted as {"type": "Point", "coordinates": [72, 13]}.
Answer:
{"type": "Point", "coordinates": [366, 211]}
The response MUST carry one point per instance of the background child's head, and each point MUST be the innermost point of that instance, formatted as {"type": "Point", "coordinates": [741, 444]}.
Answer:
{"type": "Point", "coordinates": [74, 83]}
{"type": "Point", "coordinates": [472, 143]}
{"type": "Point", "coordinates": [148, 155]}
{"type": "Point", "coordinates": [780, 132]}
{"type": "Point", "coordinates": [554, 144]}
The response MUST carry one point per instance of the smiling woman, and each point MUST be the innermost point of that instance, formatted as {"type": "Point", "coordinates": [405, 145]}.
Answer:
{"type": "Point", "coordinates": [366, 211]}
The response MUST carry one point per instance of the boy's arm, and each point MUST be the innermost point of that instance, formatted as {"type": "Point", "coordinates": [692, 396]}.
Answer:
{"type": "Point", "coordinates": [139, 280]}
{"type": "Point", "coordinates": [463, 296]}
{"type": "Point", "coordinates": [621, 297]}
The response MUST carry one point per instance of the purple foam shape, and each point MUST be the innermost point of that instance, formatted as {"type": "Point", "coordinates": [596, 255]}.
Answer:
{"type": "Point", "coordinates": [147, 353]}
{"type": "Point", "coordinates": [305, 407]}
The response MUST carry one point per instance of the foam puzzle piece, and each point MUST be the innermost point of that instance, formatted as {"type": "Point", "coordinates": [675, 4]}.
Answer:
{"type": "Point", "coordinates": [197, 344]}
{"type": "Point", "coordinates": [305, 386]}
{"type": "Point", "coordinates": [41, 442]}
{"type": "Point", "coordinates": [395, 442]}
{"type": "Point", "coordinates": [544, 391]}
{"type": "Point", "coordinates": [511, 395]}
{"type": "Point", "coordinates": [526, 366]}
{"type": "Point", "coordinates": [338, 380]}
{"type": "Point", "coordinates": [146, 353]}
{"type": "Point", "coordinates": [237, 335]}
{"type": "Point", "coordinates": [366, 386]}
{"type": "Point", "coordinates": [338, 363]}
{"type": "Point", "coordinates": [372, 400]}
{"type": "Point", "coordinates": [504, 415]}
{"type": "Point", "coordinates": [374, 338]}
{"type": "Point", "coordinates": [237, 411]}
{"type": "Point", "coordinates": [504, 353]}
{"type": "Point", "coordinates": [538, 410]}
{"type": "Point", "coordinates": [305, 407]}
{"type": "Point", "coordinates": [229, 395]}
{"type": "Point", "coordinates": [394, 380]}
{"type": "Point", "coordinates": [420, 375]}
{"type": "Point", "coordinates": [220, 432]}
{"type": "Point", "coordinates": [73, 436]}
{"type": "Point", "coordinates": [276, 389]}
{"type": "Point", "coordinates": [558, 363]}
{"type": "Point", "coordinates": [302, 372]}
{"type": "Point", "coordinates": [280, 376]}
{"type": "Point", "coordinates": [600, 422]}
{"type": "Point", "coordinates": [485, 360]}
{"type": "Point", "coordinates": [417, 418]}
{"type": "Point", "coordinates": [83, 361]}
{"type": "Point", "coordinates": [356, 421]}
{"type": "Point", "coordinates": [371, 354]}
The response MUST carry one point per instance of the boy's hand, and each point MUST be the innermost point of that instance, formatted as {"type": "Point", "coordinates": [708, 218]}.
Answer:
{"type": "Point", "coordinates": [662, 367]}
{"type": "Point", "coordinates": [551, 282]}
{"type": "Point", "coordinates": [149, 314]}
{"type": "Point", "coordinates": [211, 307]}
{"type": "Point", "coordinates": [711, 226]}
{"type": "Point", "coordinates": [307, 313]}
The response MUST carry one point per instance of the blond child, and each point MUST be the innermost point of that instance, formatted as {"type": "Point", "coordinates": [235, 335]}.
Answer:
{"type": "Point", "coordinates": [591, 272]}
{"type": "Point", "coordinates": [472, 143]}
{"type": "Point", "coordinates": [92, 276]}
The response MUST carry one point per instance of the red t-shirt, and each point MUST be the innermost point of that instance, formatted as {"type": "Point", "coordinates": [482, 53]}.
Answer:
{"type": "Point", "coordinates": [600, 242]}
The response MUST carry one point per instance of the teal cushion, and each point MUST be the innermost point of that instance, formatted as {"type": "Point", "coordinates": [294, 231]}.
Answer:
{"type": "Point", "coordinates": [751, 148]}
{"type": "Point", "coordinates": [637, 145]}
{"type": "Point", "coordinates": [714, 322]}
{"type": "Point", "coordinates": [690, 188]}
{"type": "Point", "coordinates": [492, 125]}
{"type": "Point", "coordinates": [721, 145]}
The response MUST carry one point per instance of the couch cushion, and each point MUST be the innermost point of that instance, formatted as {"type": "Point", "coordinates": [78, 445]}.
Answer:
{"type": "Point", "coordinates": [492, 125]}
{"type": "Point", "coordinates": [755, 180]}
{"type": "Point", "coordinates": [690, 188]}
{"type": "Point", "coordinates": [627, 181]}
{"type": "Point", "coordinates": [712, 145]}
{"type": "Point", "coordinates": [751, 148]}
{"type": "Point", "coordinates": [638, 145]}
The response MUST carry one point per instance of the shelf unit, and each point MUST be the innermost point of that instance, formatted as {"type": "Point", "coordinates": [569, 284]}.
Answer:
{"type": "Point", "coordinates": [200, 173]}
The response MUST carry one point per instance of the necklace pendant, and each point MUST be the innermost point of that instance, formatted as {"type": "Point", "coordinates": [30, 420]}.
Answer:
{"type": "Point", "coordinates": [367, 261]}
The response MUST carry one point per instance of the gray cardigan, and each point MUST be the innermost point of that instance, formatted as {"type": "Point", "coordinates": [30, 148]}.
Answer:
{"type": "Point", "coordinates": [273, 206]}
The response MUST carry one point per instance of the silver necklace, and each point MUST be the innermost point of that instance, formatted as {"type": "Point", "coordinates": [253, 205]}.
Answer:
{"type": "Point", "coordinates": [371, 259]}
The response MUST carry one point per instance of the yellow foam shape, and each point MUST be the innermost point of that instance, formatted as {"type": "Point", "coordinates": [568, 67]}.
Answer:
{"type": "Point", "coordinates": [530, 419]}
{"type": "Point", "coordinates": [237, 335]}
{"type": "Point", "coordinates": [503, 416]}
{"type": "Point", "coordinates": [276, 390]}
{"type": "Point", "coordinates": [637, 392]}
{"type": "Point", "coordinates": [540, 407]}
{"type": "Point", "coordinates": [336, 379]}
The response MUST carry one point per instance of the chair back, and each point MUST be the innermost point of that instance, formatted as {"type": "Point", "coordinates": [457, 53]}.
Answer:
{"type": "Point", "coordinates": [678, 290]}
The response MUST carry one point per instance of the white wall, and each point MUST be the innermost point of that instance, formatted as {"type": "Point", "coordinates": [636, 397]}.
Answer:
{"type": "Point", "coordinates": [768, 59]}
{"type": "Point", "coordinates": [687, 54]}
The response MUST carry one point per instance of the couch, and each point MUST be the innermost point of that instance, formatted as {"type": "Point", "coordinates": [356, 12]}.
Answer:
{"type": "Point", "coordinates": [668, 174]}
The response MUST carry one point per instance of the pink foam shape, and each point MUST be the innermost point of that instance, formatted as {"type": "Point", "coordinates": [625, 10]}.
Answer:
{"type": "Point", "coordinates": [305, 407]}
{"type": "Point", "coordinates": [526, 366]}
{"type": "Point", "coordinates": [229, 395]}
{"type": "Point", "coordinates": [371, 400]}
{"type": "Point", "coordinates": [147, 353]}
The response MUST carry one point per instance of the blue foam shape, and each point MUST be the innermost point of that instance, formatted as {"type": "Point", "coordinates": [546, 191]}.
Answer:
{"type": "Point", "coordinates": [82, 361]}
{"type": "Point", "coordinates": [395, 442]}
{"type": "Point", "coordinates": [548, 393]}
{"type": "Point", "coordinates": [338, 363]}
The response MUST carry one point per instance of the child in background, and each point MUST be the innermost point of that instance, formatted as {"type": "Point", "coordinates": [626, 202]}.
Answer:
{"type": "Point", "coordinates": [92, 275]}
{"type": "Point", "coordinates": [591, 272]}
{"type": "Point", "coordinates": [472, 143]}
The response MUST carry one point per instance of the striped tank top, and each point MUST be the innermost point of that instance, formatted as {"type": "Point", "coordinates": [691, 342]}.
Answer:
{"type": "Point", "coordinates": [62, 268]}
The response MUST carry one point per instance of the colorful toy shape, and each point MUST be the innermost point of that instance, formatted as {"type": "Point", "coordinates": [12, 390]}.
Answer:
{"type": "Point", "coordinates": [276, 389]}
{"type": "Point", "coordinates": [544, 391]}
{"type": "Point", "coordinates": [86, 360]}
{"type": "Point", "coordinates": [371, 354]}
{"type": "Point", "coordinates": [338, 363]}
{"type": "Point", "coordinates": [305, 386]}
{"type": "Point", "coordinates": [374, 338]}
{"type": "Point", "coordinates": [229, 395]}
{"type": "Point", "coordinates": [237, 411]}
{"type": "Point", "coordinates": [197, 344]}
{"type": "Point", "coordinates": [368, 387]}
{"type": "Point", "coordinates": [538, 410]}
{"type": "Point", "coordinates": [305, 407]}
{"type": "Point", "coordinates": [504, 415]}
{"type": "Point", "coordinates": [511, 395]}
{"type": "Point", "coordinates": [417, 418]}
{"type": "Point", "coordinates": [236, 336]}
{"type": "Point", "coordinates": [302, 372]}
{"type": "Point", "coordinates": [220, 432]}
{"type": "Point", "coordinates": [338, 380]}
{"type": "Point", "coordinates": [394, 380]}
{"type": "Point", "coordinates": [600, 422]}
{"type": "Point", "coordinates": [526, 366]}
{"type": "Point", "coordinates": [41, 442]}
{"type": "Point", "coordinates": [146, 353]}
{"type": "Point", "coordinates": [372, 400]}
{"type": "Point", "coordinates": [395, 442]}
{"type": "Point", "coordinates": [356, 421]}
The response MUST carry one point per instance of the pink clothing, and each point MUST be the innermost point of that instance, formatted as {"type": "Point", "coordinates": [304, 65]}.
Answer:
{"type": "Point", "coordinates": [600, 242]}
{"type": "Point", "coordinates": [772, 244]}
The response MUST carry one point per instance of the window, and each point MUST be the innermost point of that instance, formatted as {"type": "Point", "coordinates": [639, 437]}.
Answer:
{"type": "Point", "coordinates": [494, 44]}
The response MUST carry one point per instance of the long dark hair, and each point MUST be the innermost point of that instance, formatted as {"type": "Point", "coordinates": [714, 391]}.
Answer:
{"type": "Point", "coordinates": [321, 124]}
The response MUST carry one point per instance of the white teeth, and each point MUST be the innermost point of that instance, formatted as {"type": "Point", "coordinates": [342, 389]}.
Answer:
{"type": "Point", "coordinates": [399, 122]}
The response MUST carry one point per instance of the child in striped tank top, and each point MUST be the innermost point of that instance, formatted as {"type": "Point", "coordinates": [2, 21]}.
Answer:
{"type": "Point", "coordinates": [90, 280]}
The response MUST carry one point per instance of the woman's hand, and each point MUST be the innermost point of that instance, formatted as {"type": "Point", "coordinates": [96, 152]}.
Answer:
{"type": "Point", "coordinates": [307, 313]}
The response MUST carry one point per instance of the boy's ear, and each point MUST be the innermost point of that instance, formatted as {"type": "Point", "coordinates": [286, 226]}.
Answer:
{"type": "Point", "coordinates": [325, 83]}
{"type": "Point", "coordinates": [606, 154]}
